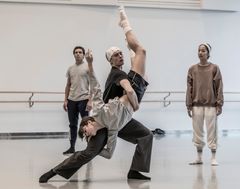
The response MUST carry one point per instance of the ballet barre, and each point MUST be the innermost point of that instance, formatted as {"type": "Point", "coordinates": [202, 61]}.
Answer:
{"type": "Point", "coordinates": [165, 97]}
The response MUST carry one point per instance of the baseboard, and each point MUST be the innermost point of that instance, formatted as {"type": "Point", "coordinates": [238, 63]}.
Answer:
{"type": "Point", "coordinates": [33, 135]}
{"type": "Point", "coordinates": [42, 135]}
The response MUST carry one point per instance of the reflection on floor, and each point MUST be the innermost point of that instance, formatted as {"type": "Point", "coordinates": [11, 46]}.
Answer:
{"type": "Point", "coordinates": [23, 161]}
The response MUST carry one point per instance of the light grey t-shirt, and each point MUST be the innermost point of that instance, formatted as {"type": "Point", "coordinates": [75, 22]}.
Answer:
{"type": "Point", "coordinates": [79, 79]}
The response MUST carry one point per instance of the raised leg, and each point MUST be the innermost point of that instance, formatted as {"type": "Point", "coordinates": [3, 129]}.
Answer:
{"type": "Point", "coordinates": [138, 62]}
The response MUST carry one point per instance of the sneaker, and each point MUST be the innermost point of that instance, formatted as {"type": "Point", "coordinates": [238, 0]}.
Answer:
{"type": "Point", "coordinates": [214, 162]}
{"type": "Point", "coordinates": [69, 151]}
{"type": "Point", "coordinates": [196, 162]}
{"type": "Point", "coordinates": [158, 131]}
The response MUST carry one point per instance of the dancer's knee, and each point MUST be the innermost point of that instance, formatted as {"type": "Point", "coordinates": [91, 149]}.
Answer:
{"type": "Point", "coordinates": [148, 136]}
{"type": "Point", "coordinates": [141, 51]}
{"type": "Point", "coordinates": [90, 154]}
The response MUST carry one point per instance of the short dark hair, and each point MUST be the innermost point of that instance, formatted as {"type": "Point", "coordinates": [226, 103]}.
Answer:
{"type": "Point", "coordinates": [83, 123]}
{"type": "Point", "coordinates": [79, 47]}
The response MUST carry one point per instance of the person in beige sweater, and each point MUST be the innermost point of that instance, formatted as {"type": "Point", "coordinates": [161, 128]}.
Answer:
{"type": "Point", "coordinates": [204, 101]}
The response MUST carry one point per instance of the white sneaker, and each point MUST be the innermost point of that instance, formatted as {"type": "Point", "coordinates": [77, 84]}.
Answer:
{"type": "Point", "coordinates": [214, 162]}
{"type": "Point", "coordinates": [196, 162]}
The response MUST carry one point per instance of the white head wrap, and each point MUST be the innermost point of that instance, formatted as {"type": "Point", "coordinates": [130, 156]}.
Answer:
{"type": "Point", "coordinates": [110, 52]}
{"type": "Point", "coordinates": [209, 48]}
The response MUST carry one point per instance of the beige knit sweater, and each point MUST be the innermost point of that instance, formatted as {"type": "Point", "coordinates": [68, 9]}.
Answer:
{"type": "Point", "coordinates": [204, 86]}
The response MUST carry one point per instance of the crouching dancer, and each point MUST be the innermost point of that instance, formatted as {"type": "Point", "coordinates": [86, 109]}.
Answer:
{"type": "Point", "coordinates": [102, 127]}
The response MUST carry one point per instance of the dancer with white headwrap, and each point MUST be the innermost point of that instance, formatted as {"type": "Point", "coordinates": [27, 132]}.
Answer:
{"type": "Point", "coordinates": [204, 101]}
{"type": "Point", "coordinates": [111, 116]}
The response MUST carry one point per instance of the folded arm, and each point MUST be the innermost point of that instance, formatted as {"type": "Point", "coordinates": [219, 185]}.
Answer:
{"type": "Point", "coordinates": [132, 97]}
{"type": "Point", "coordinates": [107, 151]}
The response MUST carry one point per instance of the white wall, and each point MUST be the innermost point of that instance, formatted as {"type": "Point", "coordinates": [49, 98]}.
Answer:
{"type": "Point", "coordinates": [221, 5]}
{"type": "Point", "coordinates": [36, 42]}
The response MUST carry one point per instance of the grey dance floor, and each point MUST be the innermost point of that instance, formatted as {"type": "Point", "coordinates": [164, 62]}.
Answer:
{"type": "Point", "coordinates": [22, 161]}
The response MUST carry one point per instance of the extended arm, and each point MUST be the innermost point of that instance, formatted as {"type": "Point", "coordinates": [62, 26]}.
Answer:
{"type": "Point", "coordinates": [95, 89]}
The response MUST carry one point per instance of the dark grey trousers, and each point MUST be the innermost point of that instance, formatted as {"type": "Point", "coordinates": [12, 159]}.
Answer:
{"type": "Point", "coordinates": [134, 132]}
{"type": "Point", "coordinates": [70, 165]}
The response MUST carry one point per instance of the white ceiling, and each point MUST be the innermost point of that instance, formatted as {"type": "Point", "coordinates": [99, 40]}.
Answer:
{"type": "Point", "coordinates": [219, 5]}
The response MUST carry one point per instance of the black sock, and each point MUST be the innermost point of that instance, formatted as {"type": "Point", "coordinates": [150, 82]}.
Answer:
{"type": "Point", "coordinates": [136, 175]}
{"type": "Point", "coordinates": [45, 177]}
